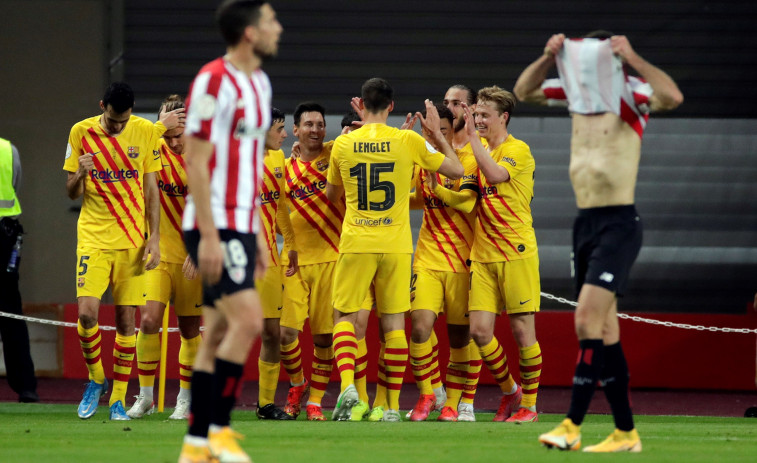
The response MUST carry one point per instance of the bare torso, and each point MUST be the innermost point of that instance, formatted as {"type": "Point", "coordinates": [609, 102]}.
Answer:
{"type": "Point", "coordinates": [604, 160]}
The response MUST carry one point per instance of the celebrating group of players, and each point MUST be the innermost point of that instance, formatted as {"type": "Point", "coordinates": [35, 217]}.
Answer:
{"type": "Point", "coordinates": [206, 195]}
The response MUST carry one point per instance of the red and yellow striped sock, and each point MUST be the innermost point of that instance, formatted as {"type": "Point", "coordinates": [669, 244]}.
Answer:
{"type": "Point", "coordinates": [291, 358]}
{"type": "Point", "coordinates": [187, 354]}
{"type": "Point", "coordinates": [421, 362]}
{"type": "Point", "coordinates": [361, 365]}
{"type": "Point", "coordinates": [495, 359]}
{"type": "Point", "coordinates": [395, 362]}
{"type": "Point", "coordinates": [345, 349]}
{"type": "Point", "coordinates": [148, 357]}
{"type": "Point", "coordinates": [123, 359]}
{"type": "Point", "coordinates": [90, 340]}
{"type": "Point", "coordinates": [457, 374]}
{"type": "Point", "coordinates": [474, 372]}
{"type": "Point", "coordinates": [323, 363]}
{"type": "Point", "coordinates": [268, 378]}
{"type": "Point", "coordinates": [380, 399]}
{"type": "Point", "coordinates": [530, 373]}
{"type": "Point", "coordinates": [436, 375]}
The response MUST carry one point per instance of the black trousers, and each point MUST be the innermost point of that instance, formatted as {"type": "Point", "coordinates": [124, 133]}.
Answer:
{"type": "Point", "coordinates": [15, 336]}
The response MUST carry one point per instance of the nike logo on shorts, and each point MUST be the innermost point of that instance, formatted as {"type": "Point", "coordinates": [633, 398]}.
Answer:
{"type": "Point", "coordinates": [523, 302]}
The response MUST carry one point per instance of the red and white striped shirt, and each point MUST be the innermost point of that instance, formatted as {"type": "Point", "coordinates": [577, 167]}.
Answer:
{"type": "Point", "coordinates": [233, 111]}
{"type": "Point", "coordinates": [592, 81]}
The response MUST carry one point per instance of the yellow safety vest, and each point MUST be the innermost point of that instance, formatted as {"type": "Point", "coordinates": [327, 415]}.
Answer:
{"type": "Point", "coordinates": [9, 205]}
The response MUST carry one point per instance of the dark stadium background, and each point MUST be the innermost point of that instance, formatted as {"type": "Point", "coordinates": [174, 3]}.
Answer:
{"type": "Point", "coordinates": [697, 180]}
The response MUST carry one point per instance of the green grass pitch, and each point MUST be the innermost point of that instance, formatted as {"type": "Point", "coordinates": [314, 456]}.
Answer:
{"type": "Point", "coordinates": [53, 434]}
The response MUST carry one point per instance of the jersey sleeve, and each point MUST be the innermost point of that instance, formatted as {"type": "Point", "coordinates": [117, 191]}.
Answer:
{"type": "Point", "coordinates": [205, 103]}
{"type": "Point", "coordinates": [153, 162]}
{"type": "Point", "coordinates": [470, 175]}
{"type": "Point", "coordinates": [554, 92]}
{"type": "Point", "coordinates": [416, 196]}
{"type": "Point", "coordinates": [516, 159]}
{"type": "Point", "coordinates": [73, 150]}
{"type": "Point", "coordinates": [641, 91]}
{"type": "Point", "coordinates": [334, 176]}
{"type": "Point", "coordinates": [424, 154]}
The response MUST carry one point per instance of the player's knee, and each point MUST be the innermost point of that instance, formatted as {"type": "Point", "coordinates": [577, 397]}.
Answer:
{"type": "Point", "coordinates": [288, 335]}
{"type": "Point", "coordinates": [87, 320]}
{"type": "Point", "coordinates": [481, 335]}
{"type": "Point", "coordinates": [149, 323]}
{"type": "Point", "coordinates": [271, 334]}
{"type": "Point", "coordinates": [419, 334]}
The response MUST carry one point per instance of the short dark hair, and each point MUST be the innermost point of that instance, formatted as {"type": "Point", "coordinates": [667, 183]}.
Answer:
{"type": "Point", "coordinates": [444, 113]}
{"type": "Point", "coordinates": [471, 93]}
{"type": "Point", "coordinates": [306, 107]}
{"type": "Point", "coordinates": [599, 34]}
{"type": "Point", "coordinates": [349, 118]}
{"type": "Point", "coordinates": [277, 115]}
{"type": "Point", "coordinates": [171, 103]}
{"type": "Point", "coordinates": [377, 94]}
{"type": "Point", "coordinates": [233, 17]}
{"type": "Point", "coordinates": [119, 96]}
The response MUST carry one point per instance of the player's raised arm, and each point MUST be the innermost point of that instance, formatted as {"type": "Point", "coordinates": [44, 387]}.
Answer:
{"type": "Point", "coordinates": [666, 94]}
{"type": "Point", "coordinates": [451, 166]}
{"type": "Point", "coordinates": [493, 172]}
{"type": "Point", "coordinates": [528, 86]}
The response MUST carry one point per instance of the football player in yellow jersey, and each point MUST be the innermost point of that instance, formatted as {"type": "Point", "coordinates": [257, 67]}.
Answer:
{"type": "Point", "coordinates": [112, 160]}
{"type": "Point", "coordinates": [173, 280]}
{"type": "Point", "coordinates": [317, 224]}
{"type": "Point", "coordinates": [440, 272]}
{"type": "Point", "coordinates": [274, 216]}
{"type": "Point", "coordinates": [504, 257]}
{"type": "Point", "coordinates": [454, 98]}
{"type": "Point", "coordinates": [373, 167]}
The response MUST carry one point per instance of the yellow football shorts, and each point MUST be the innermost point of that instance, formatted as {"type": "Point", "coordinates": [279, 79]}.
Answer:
{"type": "Point", "coordinates": [270, 290]}
{"type": "Point", "coordinates": [167, 282]}
{"type": "Point", "coordinates": [121, 268]}
{"type": "Point", "coordinates": [307, 294]}
{"type": "Point", "coordinates": [390, 272]}
{"type": "Point", "coordinates": [439, 291]}
{"type": "Point", "coordinates": [514, 284]}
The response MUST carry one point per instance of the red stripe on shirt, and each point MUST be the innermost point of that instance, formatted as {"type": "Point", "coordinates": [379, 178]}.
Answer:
{"type": "Point", "coordinates": [322, 195]}
{"type": "Point", "coordinates": [301, 210]}
{"type": "Point", "coordinates": [318, 193]}
{"type": "Point", "coordinates": [178, 207]}
{"type": "Point", "coordinates": [438, 226]}
{"type": "Point", "coordinates": [106, 198]}
{"type": "Point", "coordinates": [108, 157]}
{"type": "Point", "coordinates": [112, 162]}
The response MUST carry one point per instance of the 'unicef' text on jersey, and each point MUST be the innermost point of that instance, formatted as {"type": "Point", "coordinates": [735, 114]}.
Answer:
{"type": "Point", "coordinates": [110, 176]}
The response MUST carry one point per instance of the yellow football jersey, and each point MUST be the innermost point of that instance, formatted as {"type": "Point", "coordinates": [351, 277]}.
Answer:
{"type": "Point", "coordinates": [446, 236]}
{"type": "Point", "coordinates": [273, 211]}
{"type": "Point", "coordinates": [504, 226]}
{"type": "Point", "coordinates": [113, 210]}
{"type": "Point", "coordinates": [375, 165]}
{"type": "Point", "coordinates": [172, 182]}
{"type": "Point", "coordinates": [316, 221]}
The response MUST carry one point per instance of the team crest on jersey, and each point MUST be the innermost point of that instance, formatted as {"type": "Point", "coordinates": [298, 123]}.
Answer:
{"type": "Point", "coordinates": [322, 165]}
{"type": "Point", "coordinates": [80, 282]}
{"type": "Point", "coordinates": [448, 183]}
{"type": "Point", "coordinates": [133, 151]}
{"type": "Point", "coordinates": [277, 172]}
